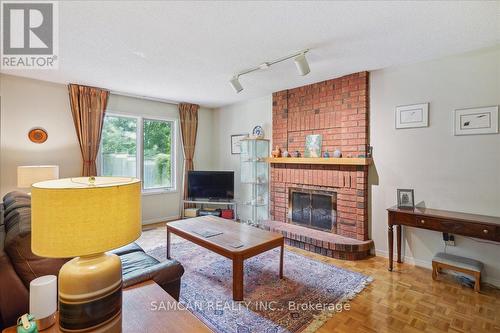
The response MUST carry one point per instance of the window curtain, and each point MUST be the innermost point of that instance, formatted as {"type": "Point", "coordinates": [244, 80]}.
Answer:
{"type": "Point", "coordinates": [188, 114]}
{"type": "Point", "coordinates": [88, 106]}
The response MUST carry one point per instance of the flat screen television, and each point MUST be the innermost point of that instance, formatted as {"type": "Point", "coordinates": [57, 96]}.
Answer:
{"type": "Point", "coordinates": [211, 185]}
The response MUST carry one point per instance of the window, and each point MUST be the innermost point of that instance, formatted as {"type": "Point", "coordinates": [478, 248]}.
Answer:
{"type": "Point", "coordinates": [119, 147]}
{"type": "Point", "coordinates": [157, 164]}
{"type": "Point", "coordinates": [139, 147]}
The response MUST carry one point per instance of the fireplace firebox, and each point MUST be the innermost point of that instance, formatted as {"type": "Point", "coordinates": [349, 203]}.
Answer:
{"type": "Point", "coordinates": [313, 208]}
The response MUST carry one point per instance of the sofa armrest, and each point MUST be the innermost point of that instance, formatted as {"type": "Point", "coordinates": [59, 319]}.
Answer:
{"type": "Point", "coordinates": [167, 274]}
{"type": "Point", "coordinates": [14, 297]}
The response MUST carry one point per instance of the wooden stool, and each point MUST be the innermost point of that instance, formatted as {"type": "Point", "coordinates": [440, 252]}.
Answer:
{"type": "Point", "coordinates": [459, 264]}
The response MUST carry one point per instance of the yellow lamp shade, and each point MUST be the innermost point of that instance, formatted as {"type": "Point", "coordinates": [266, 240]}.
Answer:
{"type": "Point", "coordinates": [29, 174]}
{"type": "Point", "coordinates": [78, 216]}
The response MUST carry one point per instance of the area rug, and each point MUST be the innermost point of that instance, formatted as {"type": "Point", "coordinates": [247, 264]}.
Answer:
{"type": "Point", "coordinates": [309, 293]}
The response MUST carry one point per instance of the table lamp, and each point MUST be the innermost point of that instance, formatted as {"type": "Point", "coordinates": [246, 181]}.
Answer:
{"type": "Point", "coordinates": [30, 174]}
{"type": "Point", "coordinates": [84, 217]}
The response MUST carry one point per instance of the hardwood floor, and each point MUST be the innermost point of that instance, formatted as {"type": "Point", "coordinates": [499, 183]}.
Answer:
{"type": "Point", "coordinates": [408, 300]}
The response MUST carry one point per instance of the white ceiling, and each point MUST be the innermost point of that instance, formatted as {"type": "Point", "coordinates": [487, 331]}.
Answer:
{"type": "Point", "coordinates": [187, 51]}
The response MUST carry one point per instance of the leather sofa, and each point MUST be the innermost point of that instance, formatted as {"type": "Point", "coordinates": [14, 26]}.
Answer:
{"type": "Point", "coordinates": [18, 265]}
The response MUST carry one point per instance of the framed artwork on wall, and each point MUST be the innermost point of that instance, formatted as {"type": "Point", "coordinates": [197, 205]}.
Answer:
{"type": "Point", "coordinates": [38, 135]}
{"type": "Point", "coordinates": [236, 144]}
{"type": "Point", "coordinates": [412, 116]}
{"type": "Point", "coordinates": [473, 121]}
{"type": "Point", "coordinates": [313, 145]}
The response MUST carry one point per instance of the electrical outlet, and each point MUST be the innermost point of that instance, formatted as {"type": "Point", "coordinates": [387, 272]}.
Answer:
{"type": "Point", "coordinates": [450, 241]}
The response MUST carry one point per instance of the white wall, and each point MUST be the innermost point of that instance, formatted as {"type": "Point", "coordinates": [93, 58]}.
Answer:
{"type": "Point", "coordinates": [449, 172]}
{"type": "Point", "coordinates": [238, 118]}
{"type": "Point", "coordinates": [28, 103]}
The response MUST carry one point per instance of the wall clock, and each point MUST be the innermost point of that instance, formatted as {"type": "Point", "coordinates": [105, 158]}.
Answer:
{"type": "Point", "coordinates": [38, 135]}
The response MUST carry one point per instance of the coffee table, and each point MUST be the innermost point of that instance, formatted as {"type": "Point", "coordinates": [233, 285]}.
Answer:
{"type": "Point", "coordinates": [148, 308]}
{"type": "Point", "coordinates": [253, 241]}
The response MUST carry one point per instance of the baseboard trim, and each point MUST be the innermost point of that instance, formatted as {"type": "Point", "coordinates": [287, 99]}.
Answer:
{"type": "Point", "coordinates": [428, 264]}
{"type": "Point", "coordinates": [161, 219]}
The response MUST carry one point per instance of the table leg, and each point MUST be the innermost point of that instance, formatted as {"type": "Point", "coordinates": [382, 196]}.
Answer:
{"type": "Point", "coordinates": [168, 244]}
{"type": "Point", "coordinates": [281, 258]}
{"type": "Point", "coordinates": [238, 279]}
{"type": "Point", "coordinates": [390, 237]}
{"type": "Point", "coordinates": [398, 240]}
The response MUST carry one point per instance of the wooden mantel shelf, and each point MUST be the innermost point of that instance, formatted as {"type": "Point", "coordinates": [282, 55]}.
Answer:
{"type": "Point", "coordinates": [320, 160]}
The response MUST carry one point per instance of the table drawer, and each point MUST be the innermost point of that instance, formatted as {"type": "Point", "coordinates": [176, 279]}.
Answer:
{"type": "Point", "coordinates": [478, 230]}
{"type": "Point", "coordinates": [402, 218]}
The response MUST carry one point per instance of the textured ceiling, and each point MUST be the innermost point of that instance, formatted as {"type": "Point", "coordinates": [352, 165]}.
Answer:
{"type": "Point", "coordinates": [187, 51]}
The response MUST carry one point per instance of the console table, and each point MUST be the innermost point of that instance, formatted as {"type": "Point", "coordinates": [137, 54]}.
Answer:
{"type": "Point", "coordinates": [472, 225]}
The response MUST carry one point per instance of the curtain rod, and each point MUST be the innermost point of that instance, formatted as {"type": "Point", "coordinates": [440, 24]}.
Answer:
{"type": "Point", "coordinates": [154, 99]}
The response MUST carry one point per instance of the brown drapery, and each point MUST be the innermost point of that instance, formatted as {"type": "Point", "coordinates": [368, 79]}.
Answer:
{"type": "Point", "coordinates": [188, 114]}
{"type": "Point", "coordinates": [88, 106]}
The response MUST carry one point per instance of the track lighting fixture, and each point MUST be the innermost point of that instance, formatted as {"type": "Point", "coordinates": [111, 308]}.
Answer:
{"type": "Point", "coordinates": [299, 59]}
{"type": "Point", "coordinates": [235, 83]}
{"type": "Point", "coordinates": [302, 65]}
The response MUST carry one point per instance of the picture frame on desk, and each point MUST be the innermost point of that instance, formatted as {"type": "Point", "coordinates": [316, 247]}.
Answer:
{"type": "Point", "coordinates": [406, 199]}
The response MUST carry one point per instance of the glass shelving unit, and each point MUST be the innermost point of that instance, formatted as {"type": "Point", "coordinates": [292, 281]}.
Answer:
{"type": "Point", "coordinates": [253, 207]}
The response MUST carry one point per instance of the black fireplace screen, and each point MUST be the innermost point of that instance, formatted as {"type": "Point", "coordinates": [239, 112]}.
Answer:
{"type": "Point", "coordinates": [315, 209]}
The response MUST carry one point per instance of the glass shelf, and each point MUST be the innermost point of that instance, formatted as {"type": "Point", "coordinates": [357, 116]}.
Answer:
{"type": "Point", "coordinates": [255, 181]}
{"type": "Point", "coordinates": [254, 204]}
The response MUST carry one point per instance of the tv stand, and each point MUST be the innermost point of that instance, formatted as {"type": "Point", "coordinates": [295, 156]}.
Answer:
{"type": "Point", "coordinates": [209, 202]}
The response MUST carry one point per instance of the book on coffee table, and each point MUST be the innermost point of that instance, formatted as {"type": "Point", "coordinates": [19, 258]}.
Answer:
{"type": "Point", "coordinates": [208, 233]}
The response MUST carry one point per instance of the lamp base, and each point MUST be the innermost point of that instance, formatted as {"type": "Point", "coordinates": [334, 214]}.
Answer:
{"type": "Point", "coordinates": [90, 294]}
{"type": "Point", "coordinates": [46, 322]}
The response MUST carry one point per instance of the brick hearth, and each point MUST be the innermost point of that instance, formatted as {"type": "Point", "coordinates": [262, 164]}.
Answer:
{"type": "Point", "coordinates": [337, 109]}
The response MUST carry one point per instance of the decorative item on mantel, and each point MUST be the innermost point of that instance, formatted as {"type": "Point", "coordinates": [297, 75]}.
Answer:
{"type": "Point", "coordinates": [276, 152]}
{"type": "Point", "coordinates": [337, 153]}
{"type": "Point", "coordinates": [258, 132]}
{"type": "Point", "coordinates": [369, 152]}
{"type": "Point", "coordinates": [326, 154]}
{"type": "Point", "coordinates": [285, 153]}
{"type": "Point", "coordinates": [313, 145]}
{"type": "Point", "coordinates": [295, 153]}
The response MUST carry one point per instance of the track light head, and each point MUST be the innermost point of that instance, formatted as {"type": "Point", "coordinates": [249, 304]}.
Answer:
{"type": "Point", "coordinates": [235, 83]}
{"type": "Point", "coordinates": [302, 65]}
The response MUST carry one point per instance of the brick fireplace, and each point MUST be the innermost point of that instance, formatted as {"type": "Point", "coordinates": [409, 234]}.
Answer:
{"type": "Point", "coordinates": [338, 109]}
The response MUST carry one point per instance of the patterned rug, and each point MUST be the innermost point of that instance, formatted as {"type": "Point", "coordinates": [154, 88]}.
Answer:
{"type": "Point", "coordinates": [309, 293]}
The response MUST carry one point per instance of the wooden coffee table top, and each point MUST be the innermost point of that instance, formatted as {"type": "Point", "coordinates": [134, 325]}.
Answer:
{"type": "Point", "coordinates": [138, 316]}
{"type": "Point", "coordinates": [251, 238]}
